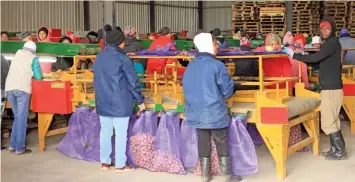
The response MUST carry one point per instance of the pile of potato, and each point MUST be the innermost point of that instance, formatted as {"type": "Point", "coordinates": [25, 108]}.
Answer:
{"type": "Point", "coordinates": [215, 170]}
{"type": "Point", "coordinates": [166, 162]}
{"type": "Point", "coordinates": [142, 147]}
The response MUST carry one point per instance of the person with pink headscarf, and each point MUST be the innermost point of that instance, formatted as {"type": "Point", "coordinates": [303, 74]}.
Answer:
{"type": "Point", "coordinates": [132, 45]}
{"type": "Point", "coordinates": [298, 46]}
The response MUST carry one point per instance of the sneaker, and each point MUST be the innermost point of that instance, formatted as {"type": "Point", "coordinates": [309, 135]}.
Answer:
{"type": "Point", "coordinates": [124, 169]}
{"type": "Point", "coordinates": [26, 151]}
{"type": "Point", "coordinates": [10, 149]}
{"type": "Point", "coordinates": [105, 167]}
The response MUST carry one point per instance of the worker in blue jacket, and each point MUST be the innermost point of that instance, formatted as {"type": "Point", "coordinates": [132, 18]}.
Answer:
{"type": "Point", "coordinates": [116, 89]}
{"type": "Point", "coordinates": [207, 85]}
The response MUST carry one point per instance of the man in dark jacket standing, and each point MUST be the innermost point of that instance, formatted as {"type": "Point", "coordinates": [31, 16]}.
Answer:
{"type": "Point", "coordinates": [330, 70]}
{"type": "Point", "coordinates": [207, 85]}
{"type": "Point", "coordinates": [116, 89]}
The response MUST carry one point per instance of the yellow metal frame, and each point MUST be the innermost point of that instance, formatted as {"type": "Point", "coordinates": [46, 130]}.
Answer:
{"type": "Point", "coordinates": [276, 137]}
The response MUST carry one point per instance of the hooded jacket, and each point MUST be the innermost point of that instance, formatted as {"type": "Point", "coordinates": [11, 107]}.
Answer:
{"type": "Point", "coordinates": [207, 85]}
{"type": "Point", "coordinates": [349, 56]}
{"type": "Point", "coordinates": [328, 58]}
{"type": "Point", "coordinates": [49, 34]}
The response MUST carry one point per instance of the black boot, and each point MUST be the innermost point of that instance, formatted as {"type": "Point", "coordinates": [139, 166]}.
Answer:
{"type": "Point", "coordinates": [226, 170]}
{"type": "Point", "coordinates": [205, 163]}
{"type": "Point", "coordinates": [331, 150]}
{"type": "Point", "coordinates": [339, 145]}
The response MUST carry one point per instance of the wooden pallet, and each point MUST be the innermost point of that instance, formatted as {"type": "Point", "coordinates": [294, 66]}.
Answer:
{"type": "Point", "coordinates": [272, 18]}
{"type": "Point", "coordinates": [271, 12]}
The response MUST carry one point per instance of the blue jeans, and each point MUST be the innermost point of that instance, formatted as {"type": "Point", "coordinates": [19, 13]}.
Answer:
{"type": "Point", "coordinates": [120, 124]}
{"type": "Point", "coordinates": [20, 102]}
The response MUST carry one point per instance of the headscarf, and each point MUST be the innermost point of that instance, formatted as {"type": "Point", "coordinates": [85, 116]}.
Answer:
{"type": "Point", "coordinates": [300, 40]}
{"type": "Point", "coordinates": [272, 37]}
{"type": "Point", "coordinates": [204, 42]}
{"type": "Point", "coordinates": [30, 46]}
{"type": "Point", "coordinates": [129, 31]}
{"type": "Point", "coordinates": [288, 39]}
{"type": "Point", "coordinates": [48, 32]}
{"type": "Point", "coordinates": [244, 42]}
{"type": "Point", "coordinates": [344, 33]}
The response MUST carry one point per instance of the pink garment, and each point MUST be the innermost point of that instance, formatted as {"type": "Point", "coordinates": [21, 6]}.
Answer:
{"type": "Point", "coordinates": [48, 38]}
{"type": "Point", "coordinates": [46, 67]}
{"type": "Point", "coordinates": [304, 75]}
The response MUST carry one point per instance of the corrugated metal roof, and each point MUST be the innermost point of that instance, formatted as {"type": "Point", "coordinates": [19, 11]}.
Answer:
{"type": "Point", "coordinates": [19, 16]}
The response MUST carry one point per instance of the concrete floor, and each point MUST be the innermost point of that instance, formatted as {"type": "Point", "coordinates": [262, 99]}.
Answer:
{"type": "Point", "coordinates": [52, 166]}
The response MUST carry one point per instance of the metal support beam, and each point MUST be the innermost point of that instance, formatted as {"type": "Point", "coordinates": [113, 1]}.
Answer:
{"type": "Point", "coordinates": [152, 15]}
{"type": "Point", "coordinates": [289, 16]}
{"type": "Point", "coordinates": [200, 14]}
{"type": "Point", "coordinates": [86, 15]}
{"type": "Point", "coordinates": [109, 13]}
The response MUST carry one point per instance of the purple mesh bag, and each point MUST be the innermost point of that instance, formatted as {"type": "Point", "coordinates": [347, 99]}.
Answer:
{"type": "Point", "coordinates": [188, 147]}
{"type": "Point", "coordinates": [166, 150]}
{"type": "Point", "coordinates": [255, 135]}
{"type": "Point", "coordinates": [157, 53]}
{"type": "Point", "coordinates": [82, 138]}
{"type": "Point", "coordinates": [143, 137]}
{"type": "Point", "coordinates": [241, 148]}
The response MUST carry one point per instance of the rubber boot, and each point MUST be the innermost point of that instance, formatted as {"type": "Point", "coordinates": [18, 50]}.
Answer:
{"type": "Point", "coordinates": [331, 150]}
{"type": "Point", "coordinates": [226, 170]}
{"type": "Point", "coordinates": [205, 163]}
{"type": "Point", "coordinates": [339, 145]}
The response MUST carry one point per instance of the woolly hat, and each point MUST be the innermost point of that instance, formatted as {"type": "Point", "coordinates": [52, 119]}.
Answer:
{"type": "Point", "coordinates": [31, 46]}
{"type": "Point", "coordinates": [204, 42]}
{"type": "Point", "coordinates": [164, 31]}
{"type": "Point", "coordinates": [115, 37]}
{"type": "Point", "coordinates": [23, 35]}
{"type": "Point", "coordinates": [344, 33]}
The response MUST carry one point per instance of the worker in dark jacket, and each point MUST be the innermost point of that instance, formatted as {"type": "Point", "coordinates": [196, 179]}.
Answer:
{"type": "Point", "coordinates": [116, 89]}
{"type": "Point", "coordinates": [63, 63]}
{"type": "Point", "coordinates": [330, 69]}
{"type": "Point", "coordinates": [207, 85]}
{"type": "Point", "coordinates": [132, 45]}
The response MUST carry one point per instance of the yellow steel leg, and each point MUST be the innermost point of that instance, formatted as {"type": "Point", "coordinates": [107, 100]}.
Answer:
{"type": "Point", "coordinates": [44, 121]}
{"type": "Point", "coordinates": [276, 138]}
{"type": "Point", "coordinates": [312, 127]}
{"type": "Point", "coordinates": [349, 107]}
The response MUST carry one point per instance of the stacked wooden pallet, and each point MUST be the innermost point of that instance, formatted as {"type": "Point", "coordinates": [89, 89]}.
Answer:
{"type": "Point", "coordinates": [306, 17]}
{"type": "Point", "coordinates": [244, 16]}
{"type": "Point", "coordinates": [351, 19]}
{"type": "Point", "coordinates": [338, 10]}
{"type": "Point", "coordinates": [272, 17]}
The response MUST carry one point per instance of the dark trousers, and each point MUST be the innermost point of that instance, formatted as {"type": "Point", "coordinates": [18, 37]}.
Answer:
{"type": "Point", "coordinates": [220, 137]}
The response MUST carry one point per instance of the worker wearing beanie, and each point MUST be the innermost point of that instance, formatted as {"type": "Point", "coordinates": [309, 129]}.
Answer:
{"type": "Point", "coordinates": [24, 66]}
{"type": "Point", "coordinates": [330, 70]}
{"type": "Point", "coordinates": [116, 89]}
{"type": "Point", "coordinates": [347, 42]}
{"type": "Point", "coordinates": [207, 85]}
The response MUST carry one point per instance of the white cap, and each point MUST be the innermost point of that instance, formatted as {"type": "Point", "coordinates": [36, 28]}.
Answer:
{"type": "Point", "coordinates": [316, 40]}
{"type": "Point", "coordinates": [29, 45]}
{"type": "Point", "coordinates": [204, 43]}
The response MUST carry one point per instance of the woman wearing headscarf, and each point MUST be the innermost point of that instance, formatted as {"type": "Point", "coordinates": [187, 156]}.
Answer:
{"type": "Point", "coordinates": [63, 63]}
{"type": "Point", "coordinates": [164, 39]}
{"type": "Point", "coordinates": [276, 67]}
{"type": "Point", "coordinates": [44, 34]}
{"type": "Point", "coordinates": [347, 42]}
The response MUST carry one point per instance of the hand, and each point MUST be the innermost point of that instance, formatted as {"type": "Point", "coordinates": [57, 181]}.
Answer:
{"type": "Point", "coordinates": [288, 51]}
{"type": "Point", "coordinates": [131, 54]}
{"type": "Point", "coordinates": [59, 70]}
{"type": "Point", "coordinates": [141, 107]}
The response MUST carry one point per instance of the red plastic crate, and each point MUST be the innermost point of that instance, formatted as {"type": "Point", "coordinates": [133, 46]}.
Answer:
{"type": "Point", "coordinates": [52, 97]}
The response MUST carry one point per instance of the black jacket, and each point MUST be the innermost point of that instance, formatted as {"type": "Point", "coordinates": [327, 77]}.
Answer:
{"type": "Point", "coordinates": [62, 63]}
{"type": "Point", "coordinates": [247, 67]}
{"type": "Point", "coordinates": [328, 58]}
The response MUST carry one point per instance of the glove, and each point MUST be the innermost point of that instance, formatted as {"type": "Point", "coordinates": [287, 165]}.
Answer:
{"type": "Point", "coordinates": [288, 51]}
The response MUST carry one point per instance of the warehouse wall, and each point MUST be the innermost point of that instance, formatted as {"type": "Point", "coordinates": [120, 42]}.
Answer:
{"type": "Point", "coordinates": [96, 15]}
{"type": "Point", "coordinates": [217, 14]}
{"type": "Point", "coordinates": [19, 16]}
{"type": "Point", "coordinates": [133, 14]}
{"type": "Point", "coordinates": [178, 15]}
